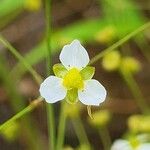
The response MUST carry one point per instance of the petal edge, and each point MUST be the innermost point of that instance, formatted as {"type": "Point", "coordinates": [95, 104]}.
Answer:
{"type": "Point", "coordinates": [74, 55]}
{"type": "Point", "coordinates": [52, 89]}
{"type": "Point", "coordinates": [93, 94]}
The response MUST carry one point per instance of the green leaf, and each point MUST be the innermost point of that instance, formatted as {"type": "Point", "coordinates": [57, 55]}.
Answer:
{"type": "Point", "coordinates": [126, 18]}
{"type": "Point", "coordinates": [72, 96]}
{"type": "Point", "coordinates": [87, 73]}
{"type": "Point", "coordinates": [8, 7]}
{"type": "Point", "coordinates": [59, 70]}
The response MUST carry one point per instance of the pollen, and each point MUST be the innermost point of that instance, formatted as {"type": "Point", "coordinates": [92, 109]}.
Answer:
{"type": "Point", "coordinates": [73, 79]}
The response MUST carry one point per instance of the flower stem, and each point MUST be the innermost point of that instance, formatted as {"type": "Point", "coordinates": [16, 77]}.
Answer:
{"type": "Point", "coordinates": [119, 43]}
{"type": "Point", "coordinates": [48, 35]}
{"type": "Point", "coordinates": [105, 138]}
{"type": "Point", "coordinates": [49, 107]}
{"type": "Point", "coordinates": [80, 131]}
{"type": "Point", "coordinates": [143, 44]}
{"type": "Point", "coordinates": [36, 76]}
{"type": "Point", "coordinates": [133, 86]}
{"type": "Point", "coordinates": [31, 132]}
{"type": "Point", "coordinates": [61, 127]}
{"type": "Point", "coordinates": [51, 126]}
{"type": "Point", "coordinates": [26, 110]}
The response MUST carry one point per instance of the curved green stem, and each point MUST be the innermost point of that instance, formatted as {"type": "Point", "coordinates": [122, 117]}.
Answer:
{"type": "Point", "coordinates": [105, 138]}
{"type": "Point", "coordinates": [51, 126]}
{"type": "Point", "coordinates": [30, 131]}
{"type": "Point", "coordinates": [133, 86]}
{"type": "Point", "coordinates": [26, 110]}
{"type": "Point", "coordinates": [144, 46]}
{"type": "Point", "coordinates": [36, 76]}
{"type": "Point", "coordinates": [48, 35]}
{"type": "Point", "coordinates": [61, 128]}
{"type": "Point", "coordinates": [80, 131]}
{"type": "Point", "coordinates": [120, 42]}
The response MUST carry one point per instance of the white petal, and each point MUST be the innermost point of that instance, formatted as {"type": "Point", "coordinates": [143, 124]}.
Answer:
{"type": "Point", "coordinates": [93, 94]}
{"type": "Point", "coordinates": [121, 145]}
{"type": "Point", "coordinates": [145, 146]}
{"type": "Point", "coordinates": [52, 89]}
{"type": "Point", "coordinates": [74, 55]}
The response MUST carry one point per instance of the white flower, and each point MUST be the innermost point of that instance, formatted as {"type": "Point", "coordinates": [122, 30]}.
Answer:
{"type": "Point", "coordinates": [73, 78]}
{"type": "Point", "coordinates": [129, 145]}
{"type": "Point", "coordinates": [145, 146]}
{"type": "Point", "coordinates": [121, 145]}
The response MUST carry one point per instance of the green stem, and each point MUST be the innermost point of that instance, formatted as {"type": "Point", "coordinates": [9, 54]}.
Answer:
{"type": "Point", "coordinates": [144, 46]}
{"type": "Point", "coordinates": [61, 128]}
{"type": "Point", "coordinates": [133, 86]}
{"type": "Point", "coordinates": [80, 131]}
{"type": "Point", "coordinates": [16, 101]}
{"type": "Point", "coordinates": [37, 78]}
{"type": "Point", "coordinates": [21, 59]}
{"type": "Point", "coordinates": [48, 35]}
{"type": "Point", "coordinates": [49, 107]}
{"type": "Point", "coordinates": [31, 132]}
{"type": "Point", "coordinates": [26, 110]}
{"type": "Point", "coordinates": [51, 126]}
{"type": "Point", "coordinates": [120, 42]}
{"type": "Point", "coordinates": [105, 138]}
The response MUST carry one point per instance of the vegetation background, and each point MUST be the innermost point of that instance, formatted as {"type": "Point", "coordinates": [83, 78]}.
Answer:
{"type": "Point", "coordinates": [98, 24]}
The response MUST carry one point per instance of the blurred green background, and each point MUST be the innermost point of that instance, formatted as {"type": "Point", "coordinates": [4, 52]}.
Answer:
{"type": "Point", "coordinates": [97, 24]}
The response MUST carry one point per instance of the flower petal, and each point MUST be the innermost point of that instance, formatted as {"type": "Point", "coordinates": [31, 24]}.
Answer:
{"type": "Point", "coordinates": [93, 94]}
{"type": "Point", "coordinates": [121, 145]}
{"type": "Point", "coordinates": [52, 89]}
{"type": "Point", "coordinates": [74, 55]}
{"type": "Point", "coordinates": [145, 146]}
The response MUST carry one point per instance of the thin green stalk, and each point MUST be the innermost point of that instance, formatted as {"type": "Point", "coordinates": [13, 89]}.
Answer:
{"type": "Point", "coordinates": [51, 126]}
{"type": "Point", "coordinates": [144, 46]}
{"type": "Point", "coordinates": [26, 110]}
{"type": "Point", "coordinates": [61, 127]}
{"type": "Point", "coordinates": [105, 138]}
{"type": "Point", "coordinates": [48, 35]}
{"type": "Point", "coordinates": [36, 76]}
{"type": "Point", "coordinates": [49, 107]}
{"type": "Point", "coordinates": [80, 131]}
{"type": "Point", "coordinates": [133, 86]}
{"type": "Point", "coordinates": [17, 103]}
{"type": "Point", "coordinates": [120, 42]}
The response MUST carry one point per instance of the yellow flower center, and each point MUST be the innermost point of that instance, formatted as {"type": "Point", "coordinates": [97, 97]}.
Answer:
{"type": "Point", "coordinates": [73, 79]}
{"type": "Point", "coordinates": [134, 143]}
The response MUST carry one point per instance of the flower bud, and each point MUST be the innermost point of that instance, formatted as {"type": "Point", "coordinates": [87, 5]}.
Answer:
{"type": "Point", "coordinates": [100, 118]}
{"type": "Point", "coordinates": [130, 65]}
{"type": "Point", "coordinates": [111, 61]}
{"type": "Point", "coordinates": [33, 5]}
{"type": "Point", "coordinates": [139, 123]}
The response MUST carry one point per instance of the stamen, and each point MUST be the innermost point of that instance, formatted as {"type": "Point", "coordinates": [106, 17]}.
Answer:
{"type": "Point", "coordinates": [89, 112]}
{"type": "Point", "coordinates": [73, 79]}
